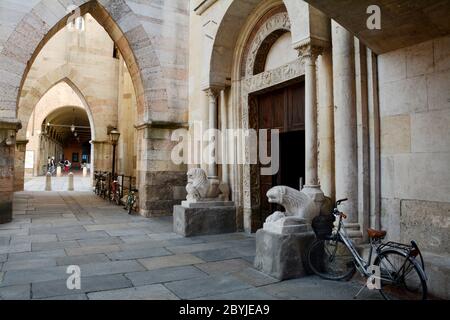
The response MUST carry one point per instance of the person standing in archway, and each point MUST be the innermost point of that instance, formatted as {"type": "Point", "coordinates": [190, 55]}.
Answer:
{"type": "Point", "coordinates": [67, 165]}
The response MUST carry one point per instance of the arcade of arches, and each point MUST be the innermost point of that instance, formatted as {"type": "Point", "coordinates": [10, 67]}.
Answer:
{"type": "Point", "coordinates": [367, 114]}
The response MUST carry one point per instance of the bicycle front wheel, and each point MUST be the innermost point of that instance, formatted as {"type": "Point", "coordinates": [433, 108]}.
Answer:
{"type": "Point", "coordinates": [331, 259]}
{"type": "Point", "coordinates": [402, 277]}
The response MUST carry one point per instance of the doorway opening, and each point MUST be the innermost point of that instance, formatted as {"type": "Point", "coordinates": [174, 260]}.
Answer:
{"type": "Point", "coordinates": [283, 109]}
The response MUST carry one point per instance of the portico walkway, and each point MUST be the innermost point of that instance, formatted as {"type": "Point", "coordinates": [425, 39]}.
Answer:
{"type": "Point", "coordinates": [80, 183]}
{"type": "Point", "coordinates": [131, 257]}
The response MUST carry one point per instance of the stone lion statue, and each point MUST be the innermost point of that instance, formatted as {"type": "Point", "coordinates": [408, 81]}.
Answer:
{"type": "Point", "coordinates": [199, 186]}
{"type": "Point", "coordinates": [298, 205]}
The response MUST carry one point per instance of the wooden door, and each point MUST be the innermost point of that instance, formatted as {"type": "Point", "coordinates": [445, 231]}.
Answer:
{"type": "Point", "coordinates": [283, 109]}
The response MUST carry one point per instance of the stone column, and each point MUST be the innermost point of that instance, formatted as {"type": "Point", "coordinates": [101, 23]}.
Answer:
{"type": "Point", "coordinates": [326, 123]}
{"type": "Point", "coordinates": [19, 165]}
{"type": "Point", "coordinates": [309, 55]}
{"type": "Point", "coordinates": [346, 162]}
{"type": "Point", "coordinates": [212, 94]}
{"type": "Point", "coordinates": [224, 186]}
{"type": "Point", "coordinates": [8, 130]}
{"type": "Point", "coordinates": [160, 181]}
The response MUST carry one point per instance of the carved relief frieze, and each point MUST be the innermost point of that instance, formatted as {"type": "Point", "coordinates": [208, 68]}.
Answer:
{"type": "Point", "coordinates": [279, 21]}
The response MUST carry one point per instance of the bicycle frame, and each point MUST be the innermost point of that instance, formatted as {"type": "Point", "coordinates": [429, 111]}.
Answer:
{"type": "Point", "coordinates": [361, 264]}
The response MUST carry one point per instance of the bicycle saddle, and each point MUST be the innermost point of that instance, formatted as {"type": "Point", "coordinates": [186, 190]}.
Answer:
{"type": "Point", "coordinates": [376, 234]}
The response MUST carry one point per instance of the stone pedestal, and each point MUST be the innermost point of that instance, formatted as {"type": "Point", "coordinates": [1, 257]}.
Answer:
{"type": "Point", "coordinates": [282, 256]}
{"type": "Point", "coordinates": [70, 185]}
{"type": "Point", "coordinates": [48, 182]}
{"type": "Point", "coordinates": [85, 172]}
{"type": "Point", "coordinates": [203, 218]}
{"type": "Point", "coordinates": [58, 171]}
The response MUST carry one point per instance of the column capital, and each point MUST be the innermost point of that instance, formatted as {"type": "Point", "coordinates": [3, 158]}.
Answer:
{"type": "Point", "coordinates": [212, 92]}
{"type": "Point", "coordinates": [309, 52]}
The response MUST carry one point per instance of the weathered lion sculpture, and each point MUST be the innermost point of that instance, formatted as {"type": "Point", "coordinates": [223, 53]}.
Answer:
{"type": "Point", "coordinates": [298, 205]}
{"type": "Point", "coordinates": [199, 187]}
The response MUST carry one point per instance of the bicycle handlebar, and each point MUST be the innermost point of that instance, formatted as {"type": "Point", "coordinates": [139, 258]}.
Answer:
{"type": "Point", "coordinates": [340, 201]}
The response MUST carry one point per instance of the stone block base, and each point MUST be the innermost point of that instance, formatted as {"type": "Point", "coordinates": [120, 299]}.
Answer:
{"type": "Point", "coordinates": [203, 221]}
{"type": "Point", "coordinates": [282, 256]}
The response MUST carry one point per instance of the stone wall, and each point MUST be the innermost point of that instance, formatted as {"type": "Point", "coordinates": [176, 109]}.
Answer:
{"type": "Point", "coordinates": [415, 143]}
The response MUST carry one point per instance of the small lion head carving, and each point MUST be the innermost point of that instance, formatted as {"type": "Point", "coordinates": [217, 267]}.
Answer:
{"type": "Point", "coordinates": [296, 203]}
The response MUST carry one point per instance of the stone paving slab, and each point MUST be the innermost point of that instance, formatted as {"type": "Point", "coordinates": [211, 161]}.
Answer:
{"type": "Point", "coordinates": [110, 267]}
{"type": "Point", "coordinates": [205, 287]}
{"type": "Point", "coordinates": [224, 254]}
{"type": "Point", "coordinates": [223, 267]}
{"type": "Point", "coordinates": [198, 247]}
{"type": "Point", "coordinates": [23, 247]}
{"type": "Point", "coordinates": [223, 237]}
{"type": "Point", "coordinates": [144, 244]}
{"type": "Point", "coordinates": [17, 232]}
{"type": "Point", "coordinates": [99, 241]}
{"type": "Point", "coordinates": [314, 288]}
{"type": "Point", "coordinates": [254, 277]}
{"type": "Point", "coordinates": [150, 292]}
{"type": "Point", "coordinates": [138, 254]}
{"type": "Point", "coordinates": [71, 297]}
{"type": "Point", "coordinates": [23, 256]}
{"type": "Point", "coordinates": [17, 277]}
{"type": "Point", "coordinates": [165, 275]}
{"type": "Point", "coordinates": [170, 261]}
{"type": "Point", "coordinates": [92, 250]}
{"type": "Point", "coordinates": [88, 284]}
{"type": "Point", "coordinates": [3, 257]}
{"type": "Point", "coordinates": [82, 235]}
{"type": "Point", "coordinates": [141, 238]}
{"type": "Point", "coordinates": [35, 238]}
{"type": "Point", "coordinates": [21, 292]}
{"type": "Point", "coordinates": [248, 294]}
{"type": "Point", "coordinates": [57, 230]}
{"type": "Point", "coordinates": [165, 236]}
{"type": "Point", "coordinates": [105, 227]}
{"type": "Point", "coordinates": [4, 241]}
{"type": "Point", "coordinates": [127, 232]}
{"type": "Point", "coordinates": [28, 264]}
{"type": "Point", "coordinates": [47, 246]}
{"type": "Point", "coordinates": [80, 260]}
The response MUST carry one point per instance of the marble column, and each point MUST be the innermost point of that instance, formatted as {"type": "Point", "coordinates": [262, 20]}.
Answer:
{"type": "Point", "coordinates": [224, 186]}
{"type": "Point", "coordinates": [212, 94]}
{"type": "Point", "coordinates": [345, 131]}
{"type": "Point", "coordinates": [8, 130]}
{"type": "Point", "coordinates": [326, 123]}
{"type": "Point", "coordinates": [309, 54]}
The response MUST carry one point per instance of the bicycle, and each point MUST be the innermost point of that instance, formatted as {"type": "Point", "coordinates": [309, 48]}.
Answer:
{"type": "Point", "coordinates": [115, 192]}
{"type": "Point", "coordinates": [333, 256]}
{"type": "Point", "coordinates": [132, 200]}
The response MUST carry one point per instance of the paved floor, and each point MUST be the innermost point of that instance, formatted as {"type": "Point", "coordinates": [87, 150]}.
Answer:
{"type": "Point", "coordinates": [131, 257]}
{"type": "Point", "coordinates": [80, 183]}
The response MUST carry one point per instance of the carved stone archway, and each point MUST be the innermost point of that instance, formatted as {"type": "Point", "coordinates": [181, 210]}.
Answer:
{"type": "Point", "coordinates": [254, 79]}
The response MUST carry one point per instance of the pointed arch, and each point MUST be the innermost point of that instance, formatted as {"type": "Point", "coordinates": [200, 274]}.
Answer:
{"type": "Point", "coordinates": [41, 86]}
{"type": "Point", "coordinates": [123, 26]}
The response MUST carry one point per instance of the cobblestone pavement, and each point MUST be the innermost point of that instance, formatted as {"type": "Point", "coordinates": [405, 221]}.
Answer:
{"type": "Point", "coordinates": [80, 183]}
{"type": "Point", "coordinates": [131, 257]}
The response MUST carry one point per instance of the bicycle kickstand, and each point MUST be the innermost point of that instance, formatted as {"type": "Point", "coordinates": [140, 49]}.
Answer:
{"type": "Point", "coordinates": [359, 292]}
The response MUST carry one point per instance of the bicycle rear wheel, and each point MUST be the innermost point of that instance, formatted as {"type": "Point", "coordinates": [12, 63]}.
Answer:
{"type": "Point", "coordinates": [331, 259]}
{"type": "Point", "coordinates": [402, 278]}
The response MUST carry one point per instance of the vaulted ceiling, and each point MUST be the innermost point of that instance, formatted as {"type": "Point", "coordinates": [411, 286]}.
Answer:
{"type": "Point", "coordinates": [61, 120]}
{"type": "Point", "coordinates": [403, 22]}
